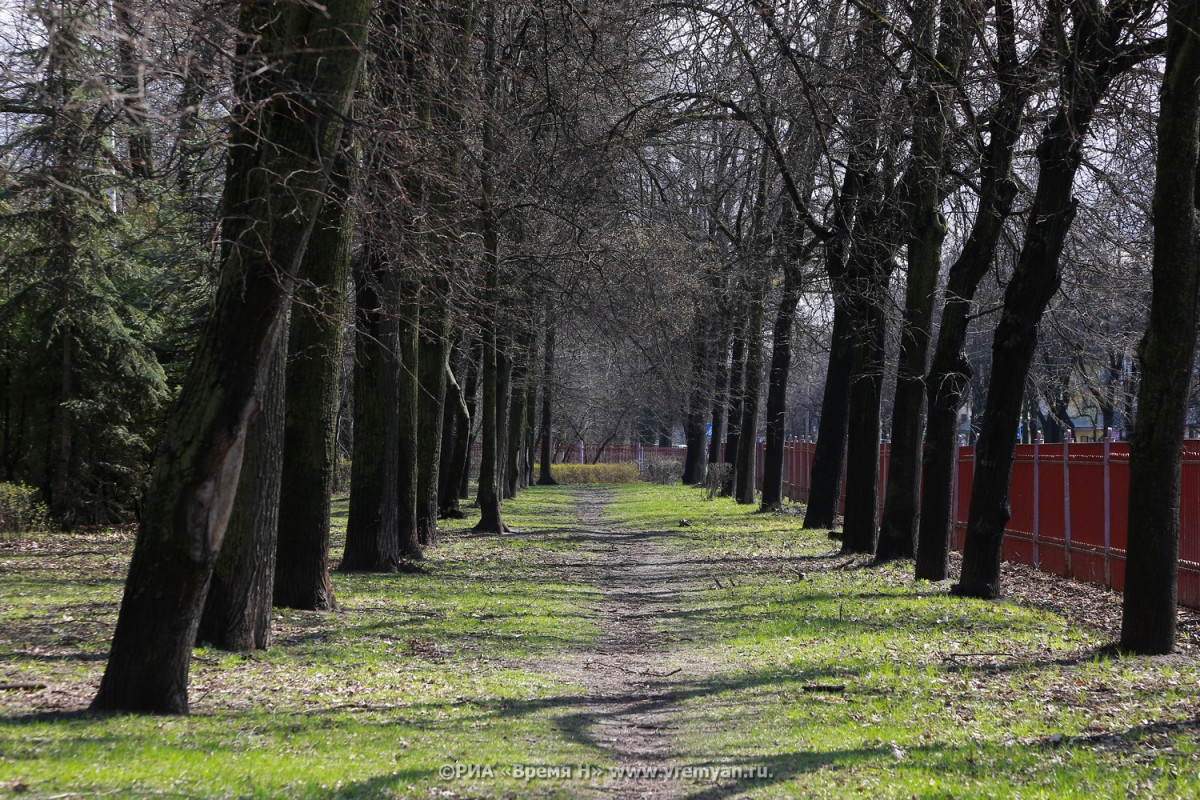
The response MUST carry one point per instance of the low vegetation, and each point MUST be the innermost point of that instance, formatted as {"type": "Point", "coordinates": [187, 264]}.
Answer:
{"type": "Point", "coordinates": [574, 474]}
{"type": "Point", "coordinates": [826, 677]}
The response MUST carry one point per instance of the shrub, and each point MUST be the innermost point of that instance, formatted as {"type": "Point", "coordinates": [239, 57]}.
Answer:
{"type": "Point", "coordinates": [594, 473]}
{"type": "Point", "coordinates": [659, 469]}
{"type": "Point", "coordinates": [715, 478]}
{"type": "Point", "coordinates": [20, 511]}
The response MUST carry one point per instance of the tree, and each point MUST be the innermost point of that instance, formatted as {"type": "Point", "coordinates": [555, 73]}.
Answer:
{"type": "Point", "coordinates": [314, 354]}
{"type": "Point", "coordinates": [1167, 351]}
{"type": "Point", "coordinates": [1103, 44]}
{"type": "Point", "coordinates": [297, 68]}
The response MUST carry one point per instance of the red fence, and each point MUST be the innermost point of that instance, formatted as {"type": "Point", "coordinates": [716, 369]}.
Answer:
{"type": "Point", "coordinates": [1068, 507]}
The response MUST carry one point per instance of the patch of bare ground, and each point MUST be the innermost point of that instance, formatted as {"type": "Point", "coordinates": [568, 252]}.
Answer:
{"type": "Point", "coordinates": [628, 680]}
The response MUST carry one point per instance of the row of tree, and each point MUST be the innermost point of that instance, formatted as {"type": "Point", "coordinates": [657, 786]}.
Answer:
{"type": "Point", "coordinates": [666, 201]}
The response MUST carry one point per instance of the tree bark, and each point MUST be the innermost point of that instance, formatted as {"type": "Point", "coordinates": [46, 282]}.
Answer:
{"type": "Point", "coordinates": [237, 611]}
{"type": "Point", "coordinates": [926, 231]}
{"type": "Point", "coordinates": [432, 399]}
{"type": "Point", "coordinates": [781, 365]}
{"type": "Point", "coordinates": [1167, 353]}
{"type": "Point", "coordinates": [698, 402]}
{"type": "Point", "coordinates": [517, 419]}
{"type": "Point", "coordinates": [950, 372]}
{"type": "Point", "coordinates": [737, 383]}
{"type": "Point", "coordinates": [470, 396]}
{"type": "Point", "coordinates": [545, 478]}
{"type": "Point", "coordinates": [311, 400]}
{"type": "Point", "coordinates": [456, 431]}
{"type": "Point", "coordinates": [273, 193]}
{"type": "Point", "coordinates": [830, 449]}
{"type": "Point", "coordinates": [407, 446]}
{"type": "Point", "coordinates": [751, 391]}
{"type": "Point", "coordinates": [1035, 280]}
{"type": "Point", "coordinates": [721, 389]}
{"type": "Point", "coordinates": [372, 532]}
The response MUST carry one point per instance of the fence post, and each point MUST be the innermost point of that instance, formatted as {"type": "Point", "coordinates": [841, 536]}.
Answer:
{"type": "Point", "coordinates": [641, 458]}
{"type": "Point", "coordinates": [1067, 503]}
{"type": "Point", "coordinates": [581, 460]}
{"type": "Point", "coordinates": [1108, 439]}
{"type": "Point", "coordinates": [1038, 441]}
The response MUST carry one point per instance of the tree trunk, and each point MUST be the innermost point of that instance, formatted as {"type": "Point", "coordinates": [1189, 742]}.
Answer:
{"type": "Point", "coordinates": [237, 611]}
{"type": "Point", "coordinates": [950, 372]}
{"type": "Point", "coordinates": [372, 532]}
{"type": "Point", "coordinates": [721, 389]}
{"type": "Point", "coordinates": [781, 365]}
{"type": "Point", "coordinates": [407, 447]}
{"type": "Point", "coordinates": [456, 429]}
{"type": "Point", "coordinates": [504, 365]}
{"type": "Point", "coordinates": [697, 406]}
{"type": "Point", "coordinates": [544, 476]}
{"type": "Point", "coordinates": [860, 532]}
{"type": "Point", "coordinates": [830, 449]}
{"type": "Point", "coordinates": [432, 398]}
{"type": "Point", "coordinates": [516, 420]}
{"type": "Point", "coordinates": [1167, 353]}
{"type": "Point", "coordinates": [737, 382]}
{"type": "Point", "coordinates": [748, 434]}
{"type": "Point", "coordinates": [926, 231]}
{"type": "Point", "coordinates": [470, 396]}
{"type": "Point", "coordinates": [273, 193]}
{"type": "Point", "coordinates": [1034, 282]}
{"type": "Point", "coordinates": [311, 397]}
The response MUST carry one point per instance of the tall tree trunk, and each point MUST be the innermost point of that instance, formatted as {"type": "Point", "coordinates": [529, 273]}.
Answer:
{"type": "Point", "coordinates": [1035, 280]}
{"type": "Point", "coordinates": [697, 404]}
{"type": "Point", "coordinates": [721, 389]}
{"type": "Point", "coordinates": [273, 193]}
{"type": "Point", "coordinates": [860, 532]}
{"type": "Point", "coordinates": [516, 418]}
{"type": "Point", "coordinates": [1167, 352]}
{"type": "Point", "coordinates": [470, 395]}
{"type": "Point", "coordinates": [488, 496]}
{"type": "Point", "coordinates": [432, 398]}
{"type": "Point", "coordinates": [950, 372]}
{"type": "Point", "coordinates": [504, 388]}
{"type": "Point", "coordinates": [830, 449]}
{"type": "Point", "coordinates": [237, 611]}
{"type": "Point", "coordinates": [311, 400]}
{"type": "Point", "coordinates": [372, 532]}
{"type": "Point", "coordinates": [407, 447]}
{"type": "Point", "coordinates": [737, 384]}
{"type": "Point", "coordinates": [547, 440]}
{"type": "Point", "coordinates": [456, 424]}
{"type": "Point", "coordinates": [781, 365]}
{"type": "Point", "coordinates": [751, 392]}
{"type": "Point", "coordinates": [926, 231]}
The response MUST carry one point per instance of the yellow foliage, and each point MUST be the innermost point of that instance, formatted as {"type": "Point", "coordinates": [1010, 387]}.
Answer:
{"type": "Point", "coordinates": [594, 473]}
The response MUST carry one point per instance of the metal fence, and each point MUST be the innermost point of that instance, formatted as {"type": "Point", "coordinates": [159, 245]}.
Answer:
{"type": "Point", "coordinates": [1068, 506]}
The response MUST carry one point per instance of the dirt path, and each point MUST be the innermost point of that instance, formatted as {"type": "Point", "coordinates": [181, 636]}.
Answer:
{"type": "Point", "coordinates": [628, 712]}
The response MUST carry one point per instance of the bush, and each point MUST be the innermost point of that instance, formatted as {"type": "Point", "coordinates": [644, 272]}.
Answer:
{"type": "Point", "coordinates": [715, 478]}
{"type": "Point", "coordinates": [659, 469]}
{"type": "Point", "coordinates": [20, 511]}
{"type": "Point", "coordinates": [593, 473]}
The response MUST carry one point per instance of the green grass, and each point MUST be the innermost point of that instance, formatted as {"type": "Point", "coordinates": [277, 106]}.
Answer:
{"type": "Point", "coordinates": [845, 680]}
{"type": "Point", "coordinates": [418, 671]}
{"type": "Point", "coordinates": [840, 680]}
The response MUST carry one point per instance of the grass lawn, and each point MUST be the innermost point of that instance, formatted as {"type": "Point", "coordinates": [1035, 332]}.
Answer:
{"type": "Point", "coordinates": [824, 677]}
{"type": "Point", "coordinates": [846, 681]}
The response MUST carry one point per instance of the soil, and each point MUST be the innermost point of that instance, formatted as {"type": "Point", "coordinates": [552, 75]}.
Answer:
{"type": "Point", "coordinates": [628, 682]}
